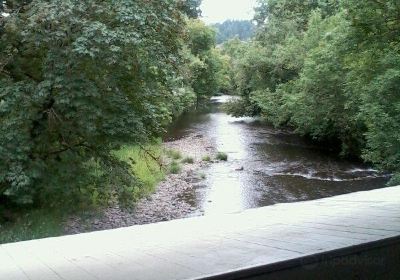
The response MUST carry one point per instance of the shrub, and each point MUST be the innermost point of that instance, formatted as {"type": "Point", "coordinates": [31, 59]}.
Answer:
{"type": "Point", "coordinates": [206, 158]}
{"type": "Point", "coordinates": [33, 224]}
{"type": "Point", "coordinates": [174, 154]}
{"type": "Point", "coordinates": [222, 156]}
{"type": "Point", "coordinates": [175, 168]}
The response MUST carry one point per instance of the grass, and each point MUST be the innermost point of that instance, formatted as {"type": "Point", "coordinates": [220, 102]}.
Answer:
{"type": "Point", "coordinates": [188, 160]}
{"type": "Point", "coordinates": [33, 224]}
{"type": "Point", "coordinates": [144, 166]}
{"type": "Point", "coordinates": [222, 156]}
{"type": "Point", "coordinates": [175, 168]}
{"type": "Point", "coordinates": [206, 158]}
{"type": "Point", "coordinates": [174, 154]}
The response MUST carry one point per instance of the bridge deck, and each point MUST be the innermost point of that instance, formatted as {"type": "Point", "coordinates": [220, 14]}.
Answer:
{"type": "Point", "coordinates": [207, 246]}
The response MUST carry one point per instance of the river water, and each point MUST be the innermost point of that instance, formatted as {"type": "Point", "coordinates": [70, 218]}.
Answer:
{"type": "Point", "coordinates": [265, 165]}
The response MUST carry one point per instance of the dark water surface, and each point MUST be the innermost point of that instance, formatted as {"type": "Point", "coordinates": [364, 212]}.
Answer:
{"type": "Point", "coordinates": [278, 166]}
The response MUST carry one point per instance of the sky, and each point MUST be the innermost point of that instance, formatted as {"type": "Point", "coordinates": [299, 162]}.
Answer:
{"type": "Point", "coordinates": [220, 10]}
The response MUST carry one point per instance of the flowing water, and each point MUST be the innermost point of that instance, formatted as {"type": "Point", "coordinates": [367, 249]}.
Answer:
{"type": "Point", "coordinates": [266, 165]}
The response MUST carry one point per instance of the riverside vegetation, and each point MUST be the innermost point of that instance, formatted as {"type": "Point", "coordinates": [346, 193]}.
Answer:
{"type": "Point", "coordinates": [87, 89]}
{"type": "Point", "coordinates": [330, 69]}
{"type": "Point", "coordinates": [84, 86]}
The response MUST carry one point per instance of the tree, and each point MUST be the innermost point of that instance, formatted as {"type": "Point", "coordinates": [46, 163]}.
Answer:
{"type": "Point", "coordinates": [242, 29]}
{"type": "Point", "coordinates": [374, 76]}
{"type": "Point", "coordinates": [191, 7]}
{"type": "Point", "coordinates": [204, 62]}
{"type": "Point", "coordinates": [330, 70]}
{"type": "Point", "coordinates": [78, 80]}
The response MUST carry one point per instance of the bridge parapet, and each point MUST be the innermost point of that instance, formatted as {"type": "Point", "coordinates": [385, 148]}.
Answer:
{"type": "Point", "coordinates": [332, 238]}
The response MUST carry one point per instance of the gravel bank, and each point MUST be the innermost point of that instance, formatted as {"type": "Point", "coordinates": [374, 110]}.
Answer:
{"type": "Point", "coordinates": [167, 203]}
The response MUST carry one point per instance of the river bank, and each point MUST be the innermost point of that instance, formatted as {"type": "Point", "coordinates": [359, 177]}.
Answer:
{"type": "Point", "coordinates": [169, 201]}
{"type": "Point", "coordinates": [266, 166]}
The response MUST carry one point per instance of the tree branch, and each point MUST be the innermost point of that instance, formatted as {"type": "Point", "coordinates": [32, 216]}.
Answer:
{"type": "Point", "coordinates": [152, 156]}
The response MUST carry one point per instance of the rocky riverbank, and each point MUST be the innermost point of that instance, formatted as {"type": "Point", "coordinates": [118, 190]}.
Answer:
{"type": "Point", "coordinates": [171, 199]}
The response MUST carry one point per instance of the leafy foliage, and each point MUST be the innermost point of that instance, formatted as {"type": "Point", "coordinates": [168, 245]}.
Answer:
{"type": "Point", "coordinates": [191, 7]}
{"type": "Point", "coordinates": [242, 29]}
{"type": "Point", "coordinates": [203, 60]}
{"type": "Point", "coordinates": [79, 79]}
{"type": "Point", "coordinates": [175, 168]}
{"type": "Point", "coordinates": [329, 69]}
{"type": "Point", "coordinates": [221, 156]}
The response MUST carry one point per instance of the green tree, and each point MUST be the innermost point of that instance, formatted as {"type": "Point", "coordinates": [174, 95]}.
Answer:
{"type": "Point", "coordinates": [242, 29]}
{"type": "Point", "coordinates": [190, 7]}
{"type": "Point", "coordinates": [374, 76]}
{"type": "Point", "coordinates": [330, 70]}
{"type": "Point", "coordinates": [204, 63]}
{"type": "Point", "coordinates": [78, 80]}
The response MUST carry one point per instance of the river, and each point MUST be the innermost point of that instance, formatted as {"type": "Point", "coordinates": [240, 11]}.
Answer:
{"type": "Point", "coordinates": [265, 165]}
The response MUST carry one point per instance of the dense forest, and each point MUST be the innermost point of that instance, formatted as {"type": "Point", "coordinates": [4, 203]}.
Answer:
{"type": "Point", "coordinates": [329, 69]}
{"type": "Point", "coordinates": [243, 29]}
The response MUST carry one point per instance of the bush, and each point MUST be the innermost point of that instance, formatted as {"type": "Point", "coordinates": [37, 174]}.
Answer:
{"type": "Point", "coordinates": [35, 224]}
{"type": "Point", "coordinates": [175, 168]}
{"type": "Point", "coordinates": [240, 107]}
{"type": "Point", "coordinates": [174, 154]}
{"type": "Point", "coordinates": [222, 156]}
{"type": "Point", "coordinates": [206, 158]}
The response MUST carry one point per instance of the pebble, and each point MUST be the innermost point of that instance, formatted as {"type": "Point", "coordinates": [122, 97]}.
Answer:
{"type": "Point", "coordinates": [167, 203]}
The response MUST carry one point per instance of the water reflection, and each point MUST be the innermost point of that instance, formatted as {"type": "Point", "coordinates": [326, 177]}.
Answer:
{"type": "Point", "coordinates": [278, 166]}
